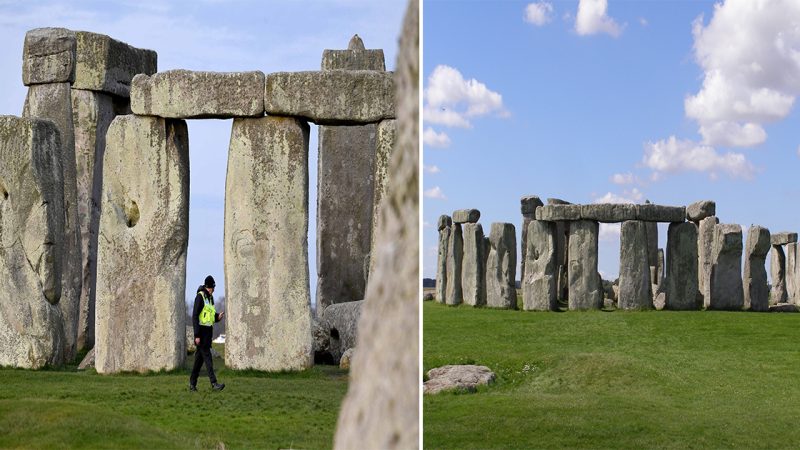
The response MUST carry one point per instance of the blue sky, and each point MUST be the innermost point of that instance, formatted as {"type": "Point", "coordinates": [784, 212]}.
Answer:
{"type": "Point", "coordinates": [671, 101]}
{"type": "Point", "coordinates": [215, 35]}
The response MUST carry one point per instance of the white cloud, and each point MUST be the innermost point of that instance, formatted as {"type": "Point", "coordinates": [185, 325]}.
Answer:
{"type": "Point", "coordinates": [643, 22]}
{"type": "Point", "coordinates": [628, 196]}
{"type": "Point", "coordinates": [431, 169]}
{"type": "Point", "coordinates": [435, 192]}
{"type": "Point", "coordinates": [673, 155]}
{"type": "Point", "coordinates": [450, 100]}
{"type": "Point", "coordinates": [592, 19]}
{"type": "Point", "coordinates": [624, 178]}
{"type": "Point", "coordinates": [610, 231]}
{"type": "Point", "coordinates": [433, 139]}
{"type": "Point", "coordinates": [539, 13]}
{"type": "Point", "coordinates": [750, 55]}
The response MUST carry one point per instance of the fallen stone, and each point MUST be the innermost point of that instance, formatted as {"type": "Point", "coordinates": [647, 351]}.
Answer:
{"type": "Point", "coordinates": [784, 308]}
{"type": "Point", "coordinates": [88, 361]}
{"type": "Point", "coordinates": [444, 221]}
{"type": "Point", "coordinates": [143, 236]}
{"type": "Point", "coordinates": [634, 273]}
{"type": "Point", "coordinates": [501, 266]}
{"type": "Point", "coordinates": [316, 96]}
{"type": "Point", "coordinates": [608, 212]}
{"type": "Point", "coordinates": [698, 211]}
{"type": "Point", "coordinates": [356, 57]}
{"type": "Point", "coordinates": [558, 212]}
{"type": "Point", "coordinates": [778, 273]}
{"type": "Point", "coordinates": [428, 297]}
{"type": "Point", "coordinates": [455, 259]}
{"type": "Point", "coordinates": [539, 282]}
{"type": "Point", "coordinates": [108, 65]}
{"type": "Point", "coordinates": [660, 300]}
{"type": "Point", "coordinates": [187, 94]}
{"type": "Point", "coordinates": [473, 271]}
{"type": "Point", "coordinates": [659, 213]}
{"type": "Point", "coordinates": [783, 238]}
{"type": "Point", "coordinates": [344, 362]}
{"type": "Point", "coordinates": [585, 292]}
{"type": "Point", "coordinates": [31, 229]}
{"type": "Point", "coordinates": [441, 261]}
{"type": "Point", "coordinates": [340, 322]}
{"type": "Point", "coordinates": [681, 288]}
{"type": "Point", "coordinates": [457, 377]}
{"type": "Point", "coordinates": [726, 272]}
{"type": "Point", "coordinates": [466, 216]}
{"type": "Point", "coordinates": [266, 226]}
{"type": "Point", "coordinates": [48, 56]}
{"type": "Point", "coordinates": [705, 252]}
{"type": "Point", "coordinates": [756, 290]}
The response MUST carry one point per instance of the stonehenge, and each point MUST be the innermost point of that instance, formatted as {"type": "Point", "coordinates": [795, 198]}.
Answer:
{"type": "Point", "coordinates": [102, 124]}
{"type": "Point", "coordinates": [539, 285]}
{"type": "Point", "coordinates": [727, 292]}
{"type": "Point", "coordinates": [473, 273]}
{"type": "Point", "coordinates": [756, 292]}
{"type": "Point", "coordinates": [783, 270]}
{"type": "Point", "coordinates": [635, 290]}
{"type": "Point", "coordinates": [501, 266]}
{"type": "Point", "coordinates": [585, 288]}
{"type": "Point", "coordinates": [681, 283]}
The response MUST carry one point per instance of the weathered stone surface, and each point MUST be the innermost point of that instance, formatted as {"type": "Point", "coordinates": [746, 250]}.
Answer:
{"type": "Point", "coordinates": [143, 236]}
{"type": "Point", "coordinates": [501, 266]}
{"type": "Point", "coordinates": [558, 212]}
{"type": "Point", "coordinates": [108, 65]}
{"type": "Point", "coordinates": [698, 211]}
{"type": "Point", "coordinates": [266, 246]}
{"type": "Point", "coordinates": [347, 356]}
{"type": "Point", "coordinates": [321, 340]}
{"type": "Point", "coordinates": [557, 201]}
{"type": "Point", "coordinates": [186, 94]}
{"type": "Point", "coordinates": [92, 113]}
{"type": "Point", "coordinates": [383, 153]}
{"type": "Point", "coordinates": [88, 360]}
{"type": "Point", "coordinates": [726, 270]}
{"type": "Point", "coordinates": [356, 57]}
{"type": "Point", "coordinates": [608, 212]}
{"type": "Point", "coordinates": [444, 221]}
{"type": "Point", "coordinates": [340, 322]}
{"type": "Point", "coordinates": [371, 415]}
{"type": "Point", "coordinates": [53, 101]}
{"type": "Point", "coordinates": [539, 281]}
{"type": "Point", "coordinates": [48, 56]}
{"type": "Point", "coordinates": [31, 243]}
{"type": "Point", "coordinates": [660, 213]}
{"type": "Point", "coordinates": [529, 203]}
{"type": "Point", "coordinates": [783, 238]}
{"type": "Point", "coordinates": [660, 265]}
{"type": "Point", "coordinates": [778, 273]}
{"type": "Point", "coordinates": [791, 272]}
{"type": "Point", "coordinates": [455, 257]}
{"type": "Point", "coordinates": [681, 288]}
{"type": "Point", "coordinates": [317, 96]}
{"type": "Point", "coordinates": [585, 292]}
{"type": "Point", "coordinates": [461, 377]}
{"type": "Point", "coordinates": [345, 190]}
{"type": "Point", "coordinates": [634, 273]}
{"type": "Point", "coordinates": [191, 347]}
{"type": "Point", "coordinates": [441, 262]}
{"type": "Point", "coordinates": [473, 271]}
{"type": "Point", "coordinates": [651, 229]}
{"type": "Point", "coordinates": [705, 253]}
{"type": "Point", "coordinates": [660, 300]}
{"type": "Point", "coordinates": [784, 307]}
{"type": "Point", "coordinates": [756, 290]}
{"type": "Point", "coordinates": [466, 216]}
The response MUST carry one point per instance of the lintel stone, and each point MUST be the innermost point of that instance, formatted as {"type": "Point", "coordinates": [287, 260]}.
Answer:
{"type": "Point", "coordinates": [107, 65]}
{"type": "Point", "coordinates": [660, 213]}
{"type": "Point", "coordinates": [466, 216]}
{"type": "Point", "coordinates": [609, 212]}
{"type": "Point", "coordinates": [48, 56]}
{"type": "Point", "coordinates": [558, 212]}
{"type": "Point", "coordinates": [698, 211]}
{"type": "Point", "coordinates": [783, 238]}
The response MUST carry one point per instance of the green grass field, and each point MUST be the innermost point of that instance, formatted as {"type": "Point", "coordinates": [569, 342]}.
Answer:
{"type": "Point", "coordinates": [654, 379]}
{"type": "Point", "coordinates": [71, 409]}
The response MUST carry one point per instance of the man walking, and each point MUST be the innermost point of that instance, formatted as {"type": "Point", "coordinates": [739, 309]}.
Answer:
{"type": "Point", "coordinates": [203, 317]}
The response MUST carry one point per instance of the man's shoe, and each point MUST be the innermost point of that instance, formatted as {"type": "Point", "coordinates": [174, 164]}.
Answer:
{"type": "Point", "coordinates": [217, 386]}
{"type": "Point", "coordinates": [192, 388]}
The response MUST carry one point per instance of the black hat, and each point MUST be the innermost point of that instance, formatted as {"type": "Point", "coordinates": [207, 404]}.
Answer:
{"type": "Point", "coordinates": [210, 282]}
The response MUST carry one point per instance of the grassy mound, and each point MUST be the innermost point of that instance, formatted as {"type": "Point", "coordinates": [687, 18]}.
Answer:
{"type": "Point", "coordinates": [654, 379]}
{"type": "Point", "coordinates": [70, 409]}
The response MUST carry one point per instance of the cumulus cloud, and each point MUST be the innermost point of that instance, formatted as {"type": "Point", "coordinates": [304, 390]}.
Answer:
{"type": "Point", "coordinates": [750, 55]}
{"type": "Point", "coordinates": [431, 169]}
{"type": "Point", "coordinates": [628, 196]}
{"type": "Point", "coordinates": [433, 139]}
{"type": "Point", "coordinates": [610, 231]}
{"type": "Point", "coordinates": [643, 22]}
{"type": "Point", "coordinates": [676, 155]}
{"type": "Point", "coordinates": [592, 18]}
{"type": "Point", "coordinates": [435, 192]}
{"type": "Point", "coordinates": [538, 13]}
{"type": "Point", "coordinates": [624, 178]}
{"type": "Point", "coordinates": [451, 100]}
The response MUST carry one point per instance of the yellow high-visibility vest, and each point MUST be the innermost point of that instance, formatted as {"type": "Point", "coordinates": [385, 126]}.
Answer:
{"type": "Point", "coordinates": [209, 313]}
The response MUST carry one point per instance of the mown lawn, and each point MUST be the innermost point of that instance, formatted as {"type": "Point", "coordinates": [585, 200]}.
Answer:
{"type": "Point", "coordinates": [71, 409]}
{"type": "Point", "coordinates": [655, 379]}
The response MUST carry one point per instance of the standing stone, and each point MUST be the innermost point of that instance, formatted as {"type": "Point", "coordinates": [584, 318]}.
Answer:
{"type": "Point", "coordinates": [144, 230]}
{"type": "Point", "coordinates": [473, 272]}
{"type": "Point", "coordinates": [539, 281]}
{"type": "Point", "coordinates": [383, 153]}
{"type": "Point", "coordinates": [48, 56]}
{"type": "Point", "coordinates": [756, 291]}
{"type": "Point", "coordinates": [660, 267]}
{"type": "Point", "coordinates": [266, 246]}
{"type": "Point", "coordinates": [54, 102]}
{"type": "Point", "coordinates": [445, 224]}
{"type": "Point", "coordinates": [562, 244]}
{"type": "Point", "coordinates": [791, 271]}
{"type": "Point", "coordinates": [528, 204]}
{"type": "Point", "coordinates": [371, 415]}
{"type": "Point", "coordinates": [681, 284]}
{"type": "Point", "coordinates": [705, 250]}
{"type": "Point", "coordinates": [778, 272]}
{"type": "Point", "coordinates": [31, 230]}
{"type": "Point", "coordinates": [726, 271]}
{"type": "Point", "coordinates": [585, 292]}
{"type": "Point", "coordinates": [635, 291]}
{"type": "Point", "coordinates": [501, 282]}
{"type": "Point", "coordinates": [455, 258]}
{"type": "Point", "coordinates": [356, 57]}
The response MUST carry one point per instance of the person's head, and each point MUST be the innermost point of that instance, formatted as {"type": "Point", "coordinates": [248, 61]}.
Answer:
{"type": "Point", "coordinates": [210, 284]}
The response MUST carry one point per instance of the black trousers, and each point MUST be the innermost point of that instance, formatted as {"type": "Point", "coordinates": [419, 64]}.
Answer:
{"type": "Point", "coordinates": [202, 355]}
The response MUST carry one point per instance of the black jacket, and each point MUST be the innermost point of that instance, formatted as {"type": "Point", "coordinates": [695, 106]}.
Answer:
{"type": "Point", "coordinates": [204, 333]}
